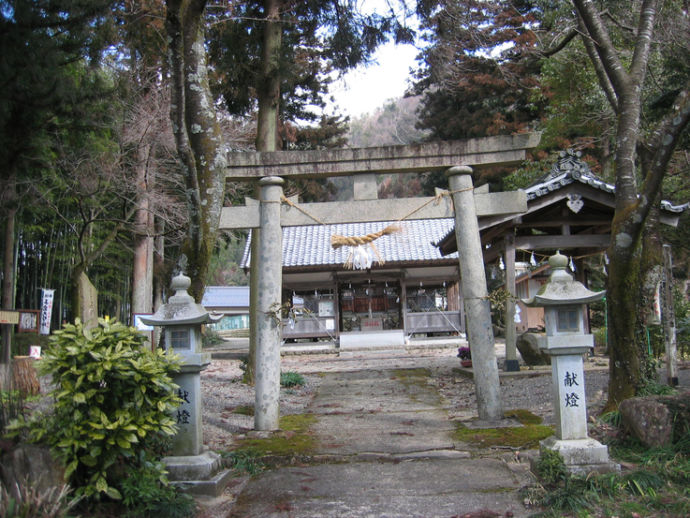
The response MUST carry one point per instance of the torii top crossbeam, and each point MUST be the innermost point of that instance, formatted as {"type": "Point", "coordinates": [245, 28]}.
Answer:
{"type": "Point", "coordinates": [475, 153]}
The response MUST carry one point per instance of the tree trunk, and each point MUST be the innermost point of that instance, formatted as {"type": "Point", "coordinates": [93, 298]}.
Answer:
{"type": "Point", "coordinates": [159, 277]}
{"type": "Point", "coordinates": [142, 271]}
{"type": "Point", "coordinates": [267, 139]}
{"type": "Point", "coordinates": [623, 84]}
{"type": "Point", "coordinates": [9, 200]}
{"type": "Point", "coordinates": [624, 354]}
{"type": "Point", "coordinates": [197, 134]}
{"type": "Point", "coordinates": [84, 298]}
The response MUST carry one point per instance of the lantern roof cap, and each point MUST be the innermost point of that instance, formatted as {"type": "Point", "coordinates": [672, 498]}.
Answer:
{"type": "Point", "coordinates": [561, 289]}
{"type": "Point", "coordinates": [181, 308]}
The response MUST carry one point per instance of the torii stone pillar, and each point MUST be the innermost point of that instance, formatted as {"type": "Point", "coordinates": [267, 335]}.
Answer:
{"type": "Point", "coordinates": [477, 308]}
{"type": "Point", "coordinates": [270, 270]}
{"type": "Point", "coordinates": [511, 363]}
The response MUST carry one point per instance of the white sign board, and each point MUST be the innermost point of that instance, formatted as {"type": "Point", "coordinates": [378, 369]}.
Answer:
{"type": "Point", "coordinates": [46, 311]}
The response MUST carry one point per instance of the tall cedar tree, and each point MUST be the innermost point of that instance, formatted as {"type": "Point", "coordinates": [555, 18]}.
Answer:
{"type": "Point", "coordinates": [473, 74]}
{"type": "Point", "coordinates": [276, 56]}
{"type": "Point", "coordinates": [39, 43]}
{"type": "Point", "coordinates": [318, 39]}
{"type": "Point", "coordinates": [472, 81]}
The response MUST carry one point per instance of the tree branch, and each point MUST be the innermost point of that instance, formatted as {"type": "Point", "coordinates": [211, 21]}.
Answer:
{"type": "Point", "coordinates": [604, 47]}
{"type": "Point", "coordinates": [664, 142]}
{"type": "Point", "coordinates": [604, 81]}
{"type": "Point", "coordinates": [570, 34]}
{"type": "Point", "coordinates": [643, 41]}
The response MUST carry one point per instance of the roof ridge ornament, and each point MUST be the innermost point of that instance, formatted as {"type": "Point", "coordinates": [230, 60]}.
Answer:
{"type": "Point", "coordinates": [569, 161]}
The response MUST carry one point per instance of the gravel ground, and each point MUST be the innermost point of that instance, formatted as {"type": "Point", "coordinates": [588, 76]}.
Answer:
{"type": "Point", "coordinates": [225, 397]}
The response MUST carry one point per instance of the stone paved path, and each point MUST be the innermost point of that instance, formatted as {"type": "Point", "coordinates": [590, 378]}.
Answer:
{"type": "Point", "coordinates": [386, 450]}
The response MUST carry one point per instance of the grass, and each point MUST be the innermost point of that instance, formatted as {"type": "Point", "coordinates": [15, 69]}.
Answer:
{"type": "Point", "coordinates": [656, 483]}
{"type": "Point", "coordinates": [291, 379]}
{"type": "Point", "coordinates": [520, 437]}
{"type": "Point", "coordinates": [244, 410]}
{"type": "Point", "coordinates": [416, 383]}
{"type": "Point", "coordinates": [245, 461]}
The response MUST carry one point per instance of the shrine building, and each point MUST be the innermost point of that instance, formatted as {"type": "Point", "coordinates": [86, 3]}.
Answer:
{"type": "Point", "coordinates": [414, 292]}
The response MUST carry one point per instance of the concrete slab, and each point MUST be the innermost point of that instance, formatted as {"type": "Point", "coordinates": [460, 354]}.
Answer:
{"type": "Point", "coordinates": [414, 488]}
{"type": "Point", "coordinates": [372, 339]}
{"type": "Point", "coordinates": [385, 448]}
{"type": "Point", "coordinates": [384, 432]}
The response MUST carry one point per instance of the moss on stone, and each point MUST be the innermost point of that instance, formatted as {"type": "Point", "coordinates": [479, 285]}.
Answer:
{"type": "Point", "coordinates": [524, 416]}
{"type": "Point", "coordinates": [244, 410]}
{"type": "Point", "coordinates": [293, 438]}
{"type": "Point", "coordinates": [524, 437]}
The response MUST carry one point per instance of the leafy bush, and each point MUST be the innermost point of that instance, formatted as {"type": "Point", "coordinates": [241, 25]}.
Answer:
{"type": "Point", "coordinates": [11, 408]}
{"type": "Point", "coordinates": [146, 492]}
{"type": "Point", "coordinates": [114, 398]}
{"type": "Point", "coordinates": [291, 379]}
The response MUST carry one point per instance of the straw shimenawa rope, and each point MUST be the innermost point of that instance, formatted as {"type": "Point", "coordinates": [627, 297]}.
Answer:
{"type": "Point", "coordinates": [357, 258]}
{"type": "Point", "coordinates": [356, 242]}
{"type": "Point", "coordinates": [337, 240]}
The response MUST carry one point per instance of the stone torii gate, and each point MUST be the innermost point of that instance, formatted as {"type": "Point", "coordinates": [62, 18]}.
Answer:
{"type": "Point", "coordinates": [456, 158]}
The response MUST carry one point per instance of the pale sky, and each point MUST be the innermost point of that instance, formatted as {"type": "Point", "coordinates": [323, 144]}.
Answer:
{"type": "Point", "coordinates": [365, 89]}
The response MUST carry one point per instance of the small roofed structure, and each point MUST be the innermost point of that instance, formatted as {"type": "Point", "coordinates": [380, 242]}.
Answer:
{"type": "Point", "coordinates": [569, 209]}
{"type": "Point", "coordinates": [413, 290]}
{"type": "Point", "coordinates": [561, 288]}
{"type": "Point", "coordinates": [232, 302]}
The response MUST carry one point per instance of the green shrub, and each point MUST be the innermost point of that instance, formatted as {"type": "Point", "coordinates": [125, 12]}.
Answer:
{"type": "Point", "coordinates": [114, 398]}
{"type": "Point", "coordinates": [12, 406]}
{"type": "Point", "coordinates": [600, 337]}
{"type": "Point", "coordinates": [146, 492]}
{"type": "Point", "coordinates": [211, 338]}
{"type": "Point", "coordinates": [291, 379]}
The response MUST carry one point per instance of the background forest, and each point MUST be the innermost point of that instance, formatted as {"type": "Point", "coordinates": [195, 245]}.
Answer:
{"type": "Point", "coordinates": [96, 200]}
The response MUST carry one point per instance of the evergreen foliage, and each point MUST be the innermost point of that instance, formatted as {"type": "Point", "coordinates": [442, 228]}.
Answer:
{"type": "Point", "coordinates": [318, 37]}
{"type": "Point", "coordinates": [114, 400]}
{"type": "Point", "coordinates": [473, 79]}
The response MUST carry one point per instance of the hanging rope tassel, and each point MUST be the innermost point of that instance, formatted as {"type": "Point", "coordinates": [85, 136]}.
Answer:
{"type": "Point", "coordinates": [360, 258]}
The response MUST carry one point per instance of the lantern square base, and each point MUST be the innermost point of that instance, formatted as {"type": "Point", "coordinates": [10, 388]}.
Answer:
{"type": "Point", "coordinates": [582, 456]}
{"type": "Point", "coordinates": [201, 474]}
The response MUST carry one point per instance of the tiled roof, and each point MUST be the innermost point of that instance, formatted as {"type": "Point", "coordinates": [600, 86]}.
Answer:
{"type": "Point", "coordinates": [226, 297]}
{"type": "Point", "coordinates": [310, 245]}
{"type": "Point", "coordinates": [568, 169]}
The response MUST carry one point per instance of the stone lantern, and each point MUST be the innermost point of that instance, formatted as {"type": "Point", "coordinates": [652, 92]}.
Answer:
{"type": "Point", "coordinates": [181, 318]}
{"type": "Point", "coordinates": [563, 300]}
